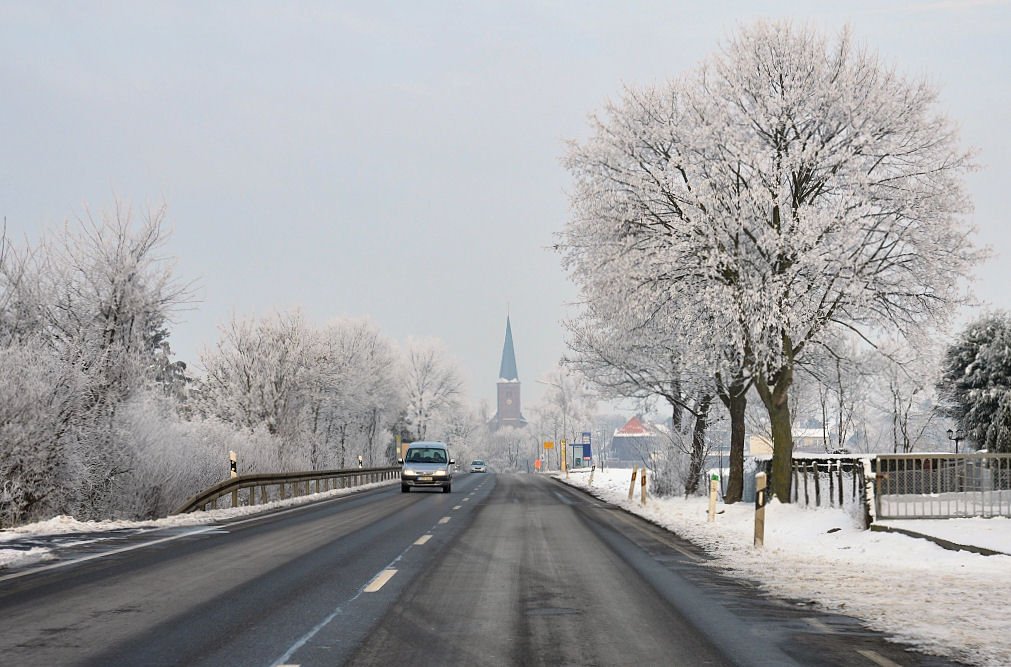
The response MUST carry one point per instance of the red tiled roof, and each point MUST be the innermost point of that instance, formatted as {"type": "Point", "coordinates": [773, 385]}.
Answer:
{"type": "Point", "coordinates": [633, 427]}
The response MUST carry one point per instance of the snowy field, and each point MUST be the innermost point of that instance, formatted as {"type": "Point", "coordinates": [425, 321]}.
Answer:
{"type": "Point", "coordinates": [950, 603]}
{"type": "Point", "coordinates": [68, 531]}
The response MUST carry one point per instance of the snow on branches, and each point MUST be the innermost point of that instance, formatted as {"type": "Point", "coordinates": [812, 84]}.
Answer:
{"type": "Point", "coordinates": [790, 186]}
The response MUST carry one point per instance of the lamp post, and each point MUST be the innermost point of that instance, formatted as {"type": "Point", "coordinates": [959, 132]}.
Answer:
{"type": "Point", "coordinates": [956, 436]}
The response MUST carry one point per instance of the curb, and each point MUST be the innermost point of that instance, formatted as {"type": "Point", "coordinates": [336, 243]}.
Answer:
{"type": "Point", "coordinates": [950, 546]}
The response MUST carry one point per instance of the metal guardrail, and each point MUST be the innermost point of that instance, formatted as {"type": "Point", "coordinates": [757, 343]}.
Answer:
{"type": "Point", "coordinates": [278, 486]}
{"type": "Point", "coordinates": [942, 486]}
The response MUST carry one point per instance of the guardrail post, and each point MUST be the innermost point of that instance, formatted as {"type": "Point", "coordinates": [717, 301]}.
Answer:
{"type": "Point", "coordinates": [631, 485]}
{"type": "Point", "coordinates": [760, 485]}
{"type": "Point", "coordinates": [280, 489]}
{"type": "Point", "coordinates": [642, 487]}
{"type": "Point", "coordinates": [252, 496]}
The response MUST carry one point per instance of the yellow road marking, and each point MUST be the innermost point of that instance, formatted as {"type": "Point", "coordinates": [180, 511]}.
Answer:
{"type": "Point", "coordinates": [421, 540]}
{"type": "Point", "coordinates": [444, 519]}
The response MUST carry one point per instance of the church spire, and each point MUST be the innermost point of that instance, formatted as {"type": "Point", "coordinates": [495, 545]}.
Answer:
{"type": "Point", "coordinates": [507, 371]}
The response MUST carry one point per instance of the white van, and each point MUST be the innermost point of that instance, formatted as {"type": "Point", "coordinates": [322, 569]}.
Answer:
{"type": "Point", "coordinates": [427, 464]}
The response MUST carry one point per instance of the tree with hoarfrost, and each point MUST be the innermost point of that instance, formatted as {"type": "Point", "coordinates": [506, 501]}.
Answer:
{"type": "Point", "coordinates": [790, 186]}
{"type": "Point", "coordinates": [81, 315]}
{"type": "Point", "coordinates": [566, 408]}
{"type": "Point", "coordinates": [976, 382]}
{"type": "Point", "coordinates": [432, 386]}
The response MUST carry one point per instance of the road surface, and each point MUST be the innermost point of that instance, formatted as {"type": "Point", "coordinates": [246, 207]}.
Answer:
{"type": "Point", "coordinates": [506, 570]}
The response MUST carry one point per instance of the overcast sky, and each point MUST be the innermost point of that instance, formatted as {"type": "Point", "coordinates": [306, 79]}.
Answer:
{"type": "Point", "coordinates": [401, 159]}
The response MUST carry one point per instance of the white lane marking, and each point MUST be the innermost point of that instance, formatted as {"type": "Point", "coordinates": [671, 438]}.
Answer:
{"type": "Point", "coordinates": [444, 519]}
{"type": "Point", "coordinates": [458, 507]}
{"type": "Point", "coordinates": [877, 658]}
{"type": "Point", "coordinates": [380, 580]}
{"type": "Point", "coordinates": [421, 540]}
{"type": "Point", "coordinates": [53, 566]}
{"type": "Point", "coordinates": [330, 617]}
{"type": "Point", "coordinates": [466, 499]}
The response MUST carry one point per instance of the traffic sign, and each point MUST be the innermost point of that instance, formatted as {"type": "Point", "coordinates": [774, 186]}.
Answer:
{"type": "Point", "coordinates": [548, 444]}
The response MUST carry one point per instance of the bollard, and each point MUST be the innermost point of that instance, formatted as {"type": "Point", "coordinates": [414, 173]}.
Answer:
{"type": "Point", "coordinates": [642, 486]}
{"type": "Point", "coordinates": [714, 489]}
{"type": "Point", "coordinates": [760, 484]}
{"type": "Point", "coordinates": [592, 470]}
{"type": "Point", "coordinates": [631, 485]}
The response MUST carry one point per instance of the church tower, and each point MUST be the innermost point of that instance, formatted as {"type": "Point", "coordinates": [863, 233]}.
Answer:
{"type": "Point", "coordinates": [509, 413]}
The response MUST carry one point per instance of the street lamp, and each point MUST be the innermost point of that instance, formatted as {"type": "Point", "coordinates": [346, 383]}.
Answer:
{"type": "Point", "coordinates": [956, 436]}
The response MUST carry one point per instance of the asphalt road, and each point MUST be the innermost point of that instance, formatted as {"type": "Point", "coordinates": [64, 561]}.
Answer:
{"type": "Point", "coordinates": [506, 570]}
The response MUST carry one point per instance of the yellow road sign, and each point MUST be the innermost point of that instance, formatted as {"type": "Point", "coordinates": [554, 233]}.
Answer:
{"type": "Point", "coordinates": [549, 444]}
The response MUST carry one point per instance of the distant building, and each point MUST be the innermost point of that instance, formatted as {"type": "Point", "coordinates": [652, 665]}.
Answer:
{"type": "Point", "coordinates": [633, 442]}
{"type": "Point", "coordinates": [509, 412]}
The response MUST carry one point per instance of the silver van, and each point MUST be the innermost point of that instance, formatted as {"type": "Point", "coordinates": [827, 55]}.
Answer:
{"type": "Point", "coordinates": [427, 464]}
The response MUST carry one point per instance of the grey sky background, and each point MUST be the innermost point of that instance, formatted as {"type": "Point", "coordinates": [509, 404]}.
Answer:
{"type": "Point", "coordinates": [401, 159]}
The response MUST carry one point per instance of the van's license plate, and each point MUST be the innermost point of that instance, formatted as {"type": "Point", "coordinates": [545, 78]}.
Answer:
{"type": "Point", "coordinates": [424, 479]}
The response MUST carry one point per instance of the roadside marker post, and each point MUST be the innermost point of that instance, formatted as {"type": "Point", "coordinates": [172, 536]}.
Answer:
{"type": "Point", "coordinates": [233, 471]}
{"type": "Point", "coordinates": [592, 470]}
{"type": "Point", "coordinates": [642, 486]}
{"type": "Point", "coordinates": [714, 489]}
{"type": "Point", "coordinates": [760, 501]}
{"type": "Point", "coordinates": [631, 485]}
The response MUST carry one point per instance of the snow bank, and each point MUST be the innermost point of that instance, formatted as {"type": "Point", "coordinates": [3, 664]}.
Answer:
{"type": "Point", "coordinates": [943, 602]}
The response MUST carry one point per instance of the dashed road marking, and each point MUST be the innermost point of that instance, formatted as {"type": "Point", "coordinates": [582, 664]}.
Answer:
{"type": "Point", "coordinates": [380, 580]}
{"type": "Point", "coordinates": [877, 658]}
{"type": "Point", "coordinates": [421, 540]}
{"type": "Point", "coordinates": [458, 507]}
{"type": "Point", "coordinates": [466, 499]}
{"type": "Point", "coordinates": [444, 519]}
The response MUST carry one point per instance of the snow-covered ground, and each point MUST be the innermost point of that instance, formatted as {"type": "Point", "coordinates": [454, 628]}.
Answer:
{"type": "Point", "coordinates": [74, 532]}
{"type": "Point", "coordinates": [950, 603]}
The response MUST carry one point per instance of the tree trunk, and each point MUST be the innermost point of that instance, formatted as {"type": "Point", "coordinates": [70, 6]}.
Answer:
{"type": "Point", "coordinates": [735, 398]}
{"type": "Point", "coordinates": [776, 400]}
{"type": "Point", "coordinates": [697, 457]}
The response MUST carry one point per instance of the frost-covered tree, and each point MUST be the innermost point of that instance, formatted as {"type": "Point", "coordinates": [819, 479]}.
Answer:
{"type": "Point", "coordinates": [257, 376]}
{"type": "Point", "coordinates": [566, 408]}
{"type": "Point", "coordinates": [791, 186]}
{"type": "Point", "coordinates": [432, 385]}
{"type": "Point", "coordinates": [354, 394]}
{"type": "Point", "coordinates": [81, 312]}
{"type": "Point", "coordinates": [976, 382]}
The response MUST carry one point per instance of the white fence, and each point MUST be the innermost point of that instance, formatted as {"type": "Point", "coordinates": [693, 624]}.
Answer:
{"type": "Point", "coordinates": [942, 486]}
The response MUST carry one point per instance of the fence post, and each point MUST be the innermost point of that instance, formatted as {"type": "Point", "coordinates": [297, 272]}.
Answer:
{"type": "Point", "coordinates": [631, 485]}
{"type": "Point", "coordinates": [817, 486]}
{"type": "Point", "coordinates": [714, 489]}
{"type": "Point", "coordinates": [841, 499]}
{"type": "Point", "coordinates": [760, 484]}
{"type": "Point", "coordinates": [831, 484]}
{"type": "Point", "coordinates": [642, 487]}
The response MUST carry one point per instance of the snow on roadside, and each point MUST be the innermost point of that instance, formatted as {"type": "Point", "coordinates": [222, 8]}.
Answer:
{"type": "Point", "coordinates": [944, 602]}
{"type": "Point", "coordinates": [69, 526]}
